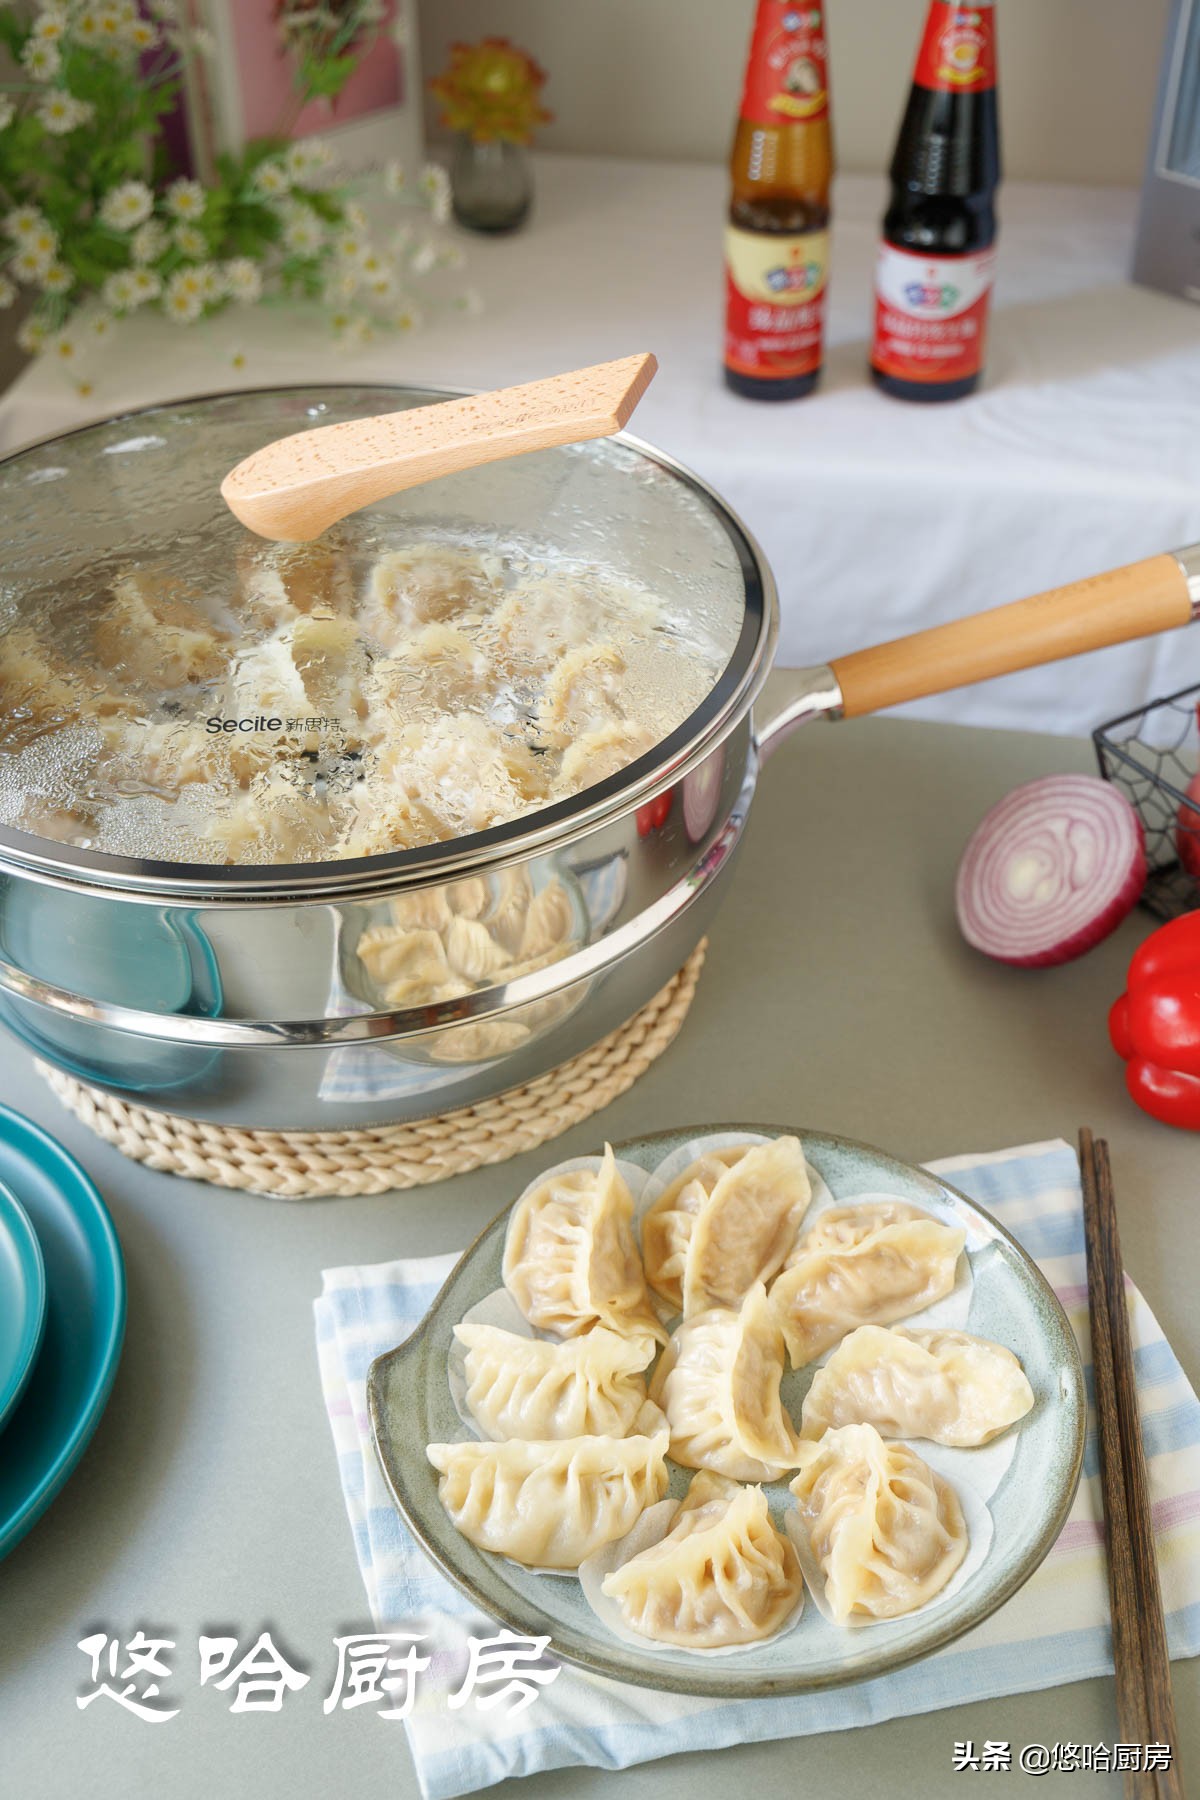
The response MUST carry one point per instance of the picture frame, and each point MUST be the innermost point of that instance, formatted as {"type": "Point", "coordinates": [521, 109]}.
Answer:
{"type": "Point", "coordinates": [244, 90]}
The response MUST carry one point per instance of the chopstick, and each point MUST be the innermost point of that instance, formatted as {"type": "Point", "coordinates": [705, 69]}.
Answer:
{"type": "Point", "coordinates": [1145, 1702]}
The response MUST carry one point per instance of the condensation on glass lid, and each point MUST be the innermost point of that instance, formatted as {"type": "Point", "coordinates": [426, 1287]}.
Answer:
{"type": "Point", "coordinates": [382, 688]}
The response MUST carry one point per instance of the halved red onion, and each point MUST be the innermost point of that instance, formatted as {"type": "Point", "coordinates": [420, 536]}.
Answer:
{"type": "Point", "coordinates": [702, 794]}
{"type": "Point", "coordinates": [1050, 871]}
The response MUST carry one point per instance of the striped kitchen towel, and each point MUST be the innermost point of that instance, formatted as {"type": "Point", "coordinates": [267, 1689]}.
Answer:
{"type": "Point", "coordinates": [1054, 1630]}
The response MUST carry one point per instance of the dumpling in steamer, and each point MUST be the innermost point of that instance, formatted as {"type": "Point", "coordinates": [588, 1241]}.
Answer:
{"type": "Point", "coordinates": [519, 1387]}
{"type": "Point", "coordinates": [862, 1265]}
{"type": "Point", "coordinates": [550, 1503]}
{"type": "Point", "coordinates": [718, 1383]}
{"type": "Point", "coordinates": [153, 630]}
{"type": "Point", "coordinates": [570, 1260]}
{"type": "Point", "coordinates": [727, 1222]}
{"type": "Point", "coordinates": [426, 584]}
{"type": "Point", "coordinates": [885, 1531]}
{"type": "Point", "coordinates": [596, 755]}
{"type": "Point", "coordinates": [581, 693]}
{"type": "Point", "coordinates": [946, 1386]}
{"type": "Point", "coordinates": [722, 1575]}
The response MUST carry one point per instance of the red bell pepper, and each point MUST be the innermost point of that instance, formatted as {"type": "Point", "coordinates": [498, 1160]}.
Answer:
{"type": "Point", "coordinates": [1155, 1025]}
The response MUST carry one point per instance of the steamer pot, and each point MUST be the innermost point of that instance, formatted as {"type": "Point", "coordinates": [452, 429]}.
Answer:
{"type": "Point", "coordinates": [235, 995]}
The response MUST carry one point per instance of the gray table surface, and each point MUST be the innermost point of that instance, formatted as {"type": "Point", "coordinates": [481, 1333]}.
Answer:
{"type": "Point", "coordinates": [837, 994]}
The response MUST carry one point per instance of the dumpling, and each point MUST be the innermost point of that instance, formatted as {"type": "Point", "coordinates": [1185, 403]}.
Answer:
{"type": "Point", "coordinates": [40, 693]}
{"type": "Point", "coordinates": [862, 1265]}
{"type": "Point", "coordinates": [279, 583]}
{"type": "Point", "coordinates": [153, 630]}
{"type": "Point", "coordinates": [722, 1575]}
{"type": "Point", "coordinates": [509, 905]}
{"type": "Point", "coordinates": [549, 1503]}
{"type": "Point", "coordinates": [718, 1383]}
{"type": "Point", "coordinates": [942, 1385]}
{"type": "Point", "coordinates": [478, 1041]}
{"type": "Point", "coordinates": [438, 667]}
{"type": "Point", "coordinates": [470, 773]}
{"type": "Point", "coordinates": [570, 1261]}
{"type": "Point", "coordinates": [595, 755]}
{"type": "Point", "coordinates": [727, 1222]}
{"type": "Point", "coordinates": [472, 951]}
{"type": "Point", "coordinates": [548, 924]}
{"type": "Point", "coordinates": [424, 584]}
{"type": "Point", "coordinates": [885, 1531]}
{"type": "Point", "coordinates": [405, 964]}
{"type": "Point", "coordinates": [520, 1387]}
{"type": "Point", "coordinates": [424, 909]}
{"type": "Point", "coordinates": [331, 661]}
{"type": "Point", "coordinates": [581, 692]}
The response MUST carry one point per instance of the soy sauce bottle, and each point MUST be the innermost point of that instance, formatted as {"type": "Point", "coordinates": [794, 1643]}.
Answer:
{"type": "Point", "coordinates": [777, 238]}
{"type": "Point", "coordinates": [935, 269]}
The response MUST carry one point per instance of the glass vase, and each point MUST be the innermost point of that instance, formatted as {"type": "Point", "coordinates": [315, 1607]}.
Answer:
{"type": "Point", "coordinates": [491, 184]}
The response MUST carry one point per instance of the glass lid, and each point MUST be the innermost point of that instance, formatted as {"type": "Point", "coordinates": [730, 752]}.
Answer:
{"type": "Point", "coordinates": [177, 694]}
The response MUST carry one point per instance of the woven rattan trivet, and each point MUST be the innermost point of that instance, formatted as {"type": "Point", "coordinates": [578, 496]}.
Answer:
{"type": "Point", "coordinates": [305, 1165]}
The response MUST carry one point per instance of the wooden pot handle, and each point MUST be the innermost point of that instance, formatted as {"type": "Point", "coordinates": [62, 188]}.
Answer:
{"type": "Point", "coordinates": [1133, 602]}
{"type": "Point", "coordinates": [298, 486]}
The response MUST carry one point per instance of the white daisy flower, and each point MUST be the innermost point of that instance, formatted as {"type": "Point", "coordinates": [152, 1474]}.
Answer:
{"type": "Point", "coordinates": [212, 282]}
{"type": "Point", "coordinates": [307, 156]}
{"type": "Point", "coordinates": [148, 242]}
{"type": "Point", "coordinates": [185, 199]}
{"type": "Point", "coordinates": [144, 284]}
{"type": "Point", "coordinates": [393, 178]}
{"type": "Point", "coordinates": [40, 59]}
{"type": "Point", "coordinates": [271, 178]}
{"type": "Point", "coordinates": [63, 347]}
{"type": "Point", "coordinates": [100, 327]}
{"type": "Point", "coordinates": [302, 232]}
{"type": "Point", "coordinates": [8, 293]}
{"type": "Point", "coordinates": [58, 279]}
{"type": "Point", "coordinates": [382, 287]}
{"type": "Point", "coordinates": [31, 336]}
{"type": "Point", "coordinates": [433, 180]}
{"type": "Point", "coordinates": [407, 318]}
{"type": "Point", "coordinates": [355, 218]}
{"type": "Point", "coordinates": [140, 34]}
{"type": "Point", "coordinates": [127, 205]}
{"type": "Point", "coordinates": [350, 249]}
{"type": "Point", "coordinates": [243, 280]}
{"type": "Point", "coordinates": [44, 242]}
{"type": "Point", "coordinates": [183, 300]}
{"type": "Point", "coordinates": [372, 265]}
{"type": "Point", "coordinates": [29, 265]}
{"type": "Point", "coordinates": [118, 291]}
{"type": "Point", "coordinates": [191, 240]}
{"type": "Point", "coordinates": [8, 112]}
{"type": "Point", "coordinates": [50, 26]}
{"type": "Point", "coordinates": [25, 222]}
{"type": "Point", "coordinates": [60, 113]}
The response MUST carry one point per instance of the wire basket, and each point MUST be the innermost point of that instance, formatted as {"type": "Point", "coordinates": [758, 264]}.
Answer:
{"type": "Point", "coordinates": [1152, 755]}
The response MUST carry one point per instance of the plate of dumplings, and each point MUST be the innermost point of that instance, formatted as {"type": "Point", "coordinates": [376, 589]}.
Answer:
{"type": "Point", "coordinates": [738, 1411]}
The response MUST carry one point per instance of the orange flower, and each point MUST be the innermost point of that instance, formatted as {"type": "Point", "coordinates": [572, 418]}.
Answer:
{"type": "Point", "coordinates": [490, 91]}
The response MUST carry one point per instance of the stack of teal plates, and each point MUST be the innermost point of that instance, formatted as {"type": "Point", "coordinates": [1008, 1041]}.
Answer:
{"type": "Point", "coordinates": [62, 1319]}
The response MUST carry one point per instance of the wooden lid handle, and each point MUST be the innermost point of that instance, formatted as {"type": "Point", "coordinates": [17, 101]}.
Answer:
{"type": "Point", "coordinates": [1133, 602]}
{"type": "Point", "coordinates": [298, 486]}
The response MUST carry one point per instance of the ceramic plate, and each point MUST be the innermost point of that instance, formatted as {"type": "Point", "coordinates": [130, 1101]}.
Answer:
{"type": "Point", "coordinates": [22, 1300]}
{"type": "Point", "coordinates": [1031, 1473]}
{"type": "Point", "coordinates": [85, 1323]}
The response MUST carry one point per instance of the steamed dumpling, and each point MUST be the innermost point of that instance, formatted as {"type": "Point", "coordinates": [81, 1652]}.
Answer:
{"type": "Point", "coordinates": [727, 1222]}
{"type": "Point", "coordinates": [722, 1575]}
{"type": "Point", "coordinates": [946, 1386]}
{"type": "Point", "coordinates": [425, 584]}
{"type": "Point", "coordinates": [519, 1387]}
{"type": "Point", "coordinates": [718, 1383]}
{"type": "Point", "coordinates": [550, 1504]}
{"type": "Point", "coordinates": [863, 1265]}
{"type": "Point", "coordinates": [570, 1261]}
{"type": "Point", "coordinates": [885, 1531]}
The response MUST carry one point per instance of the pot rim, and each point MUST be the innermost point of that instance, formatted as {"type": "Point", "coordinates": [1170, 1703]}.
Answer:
{"type": "Point", "coordinates": [552, 827]}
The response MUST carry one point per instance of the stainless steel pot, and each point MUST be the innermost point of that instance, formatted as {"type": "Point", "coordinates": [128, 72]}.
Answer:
{"type": "Point", "coordinates": [235, 994]}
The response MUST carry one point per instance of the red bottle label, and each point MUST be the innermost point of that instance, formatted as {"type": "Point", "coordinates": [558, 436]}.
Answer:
{"type": "Point", "coordinates": [786, 77]}
{"type": "Point", "coordinates": [958, 51]}
{"type": "Point", "coordinates": [775, 302]}
{"type": "Point", "coordinates": [931, 314]}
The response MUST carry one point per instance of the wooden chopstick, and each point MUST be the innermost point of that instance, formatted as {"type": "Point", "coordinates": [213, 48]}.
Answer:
{"type": "Point", "coordinates": [1145, 1702]}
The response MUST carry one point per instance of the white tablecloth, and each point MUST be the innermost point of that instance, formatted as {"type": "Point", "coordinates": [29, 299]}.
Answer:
{"type": "Point", "coordinates": [1081, 451]}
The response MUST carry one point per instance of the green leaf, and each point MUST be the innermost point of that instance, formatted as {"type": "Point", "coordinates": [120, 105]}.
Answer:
{"type": "Point", "coordinates": [324, 77]}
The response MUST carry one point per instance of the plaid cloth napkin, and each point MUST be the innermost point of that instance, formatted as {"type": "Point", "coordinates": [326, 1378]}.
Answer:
{"type": "Point", "coordinates": [1055, 1630]}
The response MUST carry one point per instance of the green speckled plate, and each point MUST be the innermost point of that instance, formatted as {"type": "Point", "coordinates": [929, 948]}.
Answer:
{"type": "Point", "coordinates": [1034, 1468]}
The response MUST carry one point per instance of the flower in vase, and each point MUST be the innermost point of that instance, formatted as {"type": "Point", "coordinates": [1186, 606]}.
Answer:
{"type": "Point", "coordinates": [148, 242]}
{"type": "Point", "coordinates": [29, 265]}
{"type": "Point", "coordinates": [60, 113]}
{"type": "Point", "coordinates": [183, 298]}
{"type": "Point", "coordinates": [58, 279]}
{"type": "Point", "coordinates": [185, 199]}
{"type": "Point", "coordinates": [40, 58]}
{"type": "Point", "coordinates": [302, 231]}
{"type": "Point", "coordinates": [492, 92]}
{"type": "Point", "coordinates": [191, 240]}
{"type": "Point", "coordinates": [271, 178]}
{"type": "Point", "coordinates": [127, 206]}
{"type": "Point", "coordinates": [24, 222]}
